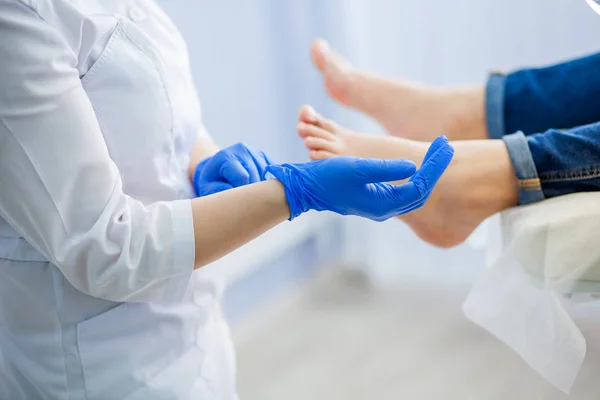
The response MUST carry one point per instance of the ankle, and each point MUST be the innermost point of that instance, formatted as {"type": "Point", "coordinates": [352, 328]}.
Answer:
{"type": "Point", "coordinates": [484, 177]}
{"type": "Point", "coordinates": [376, 96]}
{"type": "Point", "coordinates": [466, 108]}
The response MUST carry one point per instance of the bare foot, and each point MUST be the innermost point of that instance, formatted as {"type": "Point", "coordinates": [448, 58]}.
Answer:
{"type": "Point", "coordinates": [478, 183]}
{"type": "Point", "coordinates": [404, 109]}
{"type": "Point", "coordinates": [325, 138]}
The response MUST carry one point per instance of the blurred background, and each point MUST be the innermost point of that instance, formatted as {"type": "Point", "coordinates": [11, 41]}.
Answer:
{"type": "Point", "coordinates": [330, 308]}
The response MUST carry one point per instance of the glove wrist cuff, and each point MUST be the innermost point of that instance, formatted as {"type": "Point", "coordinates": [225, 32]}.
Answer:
{"type": "Point", "coordinates": [293, 188]}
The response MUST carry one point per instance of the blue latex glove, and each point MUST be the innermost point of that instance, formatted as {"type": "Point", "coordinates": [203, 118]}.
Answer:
{"type": "Point", "coordinates": [233, 166]}
{"type": "Point", "coordinates": [354, 186]}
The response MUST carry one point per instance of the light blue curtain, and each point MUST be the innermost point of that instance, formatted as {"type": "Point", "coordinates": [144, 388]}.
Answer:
{"type": "Point", "coordinates": [251, 65]}
{"type": "Point", "coordinates": [448, 43]}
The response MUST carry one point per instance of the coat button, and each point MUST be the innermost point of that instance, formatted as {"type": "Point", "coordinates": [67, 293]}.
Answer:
{"type": "Point", "coordinates": [136, 14]}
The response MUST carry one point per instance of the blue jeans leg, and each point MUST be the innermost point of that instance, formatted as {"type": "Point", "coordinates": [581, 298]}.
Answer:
{"type": "Point", "coordinates": [556, 162]}
{"type": "Point", "coordinates": [562, 96]}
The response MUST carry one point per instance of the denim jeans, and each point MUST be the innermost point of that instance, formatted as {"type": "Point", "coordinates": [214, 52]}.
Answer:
{"type": "Point", "coordinates": [549, 119]}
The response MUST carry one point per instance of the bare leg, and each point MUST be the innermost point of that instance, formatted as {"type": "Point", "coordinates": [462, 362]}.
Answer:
{"type": "Point", "coordinates": [404, 109]}
{"type": "Point", "coordinates": [479, 182]}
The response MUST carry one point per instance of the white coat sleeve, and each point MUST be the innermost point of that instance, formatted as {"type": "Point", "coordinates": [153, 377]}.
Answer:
{"type": "Point", "coordinates": [59, 187]}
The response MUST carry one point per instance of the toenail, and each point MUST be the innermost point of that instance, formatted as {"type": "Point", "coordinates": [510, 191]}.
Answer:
{"type": "Point", "coordinates": [311, 114]}
{"type": "Point", "coordinates": [322, 43]}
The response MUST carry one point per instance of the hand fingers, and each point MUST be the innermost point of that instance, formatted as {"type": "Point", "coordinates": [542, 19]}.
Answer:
{"type": "Point", "coordinates": [393, 201]}
{"type": "Point", "coordinates": [245, 156]}
{"type": "Point", "coordinates": [432, 169]}
{"type": "Point", "coordinates": [260, 161]}
{"type": "Point", "coordinates": [420, 202]}
{"type": "Point", "coordinates": [234, 172]}
{"type": "Point", "coordinates": [373, 170]}
{"type": "Point", "coordinates": [435, 146]}
{"type": "Point", "coordinates": [253, 168]}
{"type": "Point", "coordinates": [414, 194]}
{"type": "Point", "coordinates": [398, 200]}
{"type": "Point", "coordinates": [267, 160]}
{"type": "Point", "coordinates": [264, 162]}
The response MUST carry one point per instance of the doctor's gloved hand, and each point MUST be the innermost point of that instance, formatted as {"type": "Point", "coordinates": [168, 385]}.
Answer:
{"type": "Point", "coordinates": [354, 186]}
{"type": "Point", "coordinates": [233, 166]}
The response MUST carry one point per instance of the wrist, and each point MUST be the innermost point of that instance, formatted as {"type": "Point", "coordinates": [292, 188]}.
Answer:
{"type": "Point", "coordinates": [277, 198]}
{"type": "Point", "coordinates": [296, 196]}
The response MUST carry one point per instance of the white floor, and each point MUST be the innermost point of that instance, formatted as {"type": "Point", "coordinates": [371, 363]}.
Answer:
{"type": "Point", "coordinates": [342, 339]}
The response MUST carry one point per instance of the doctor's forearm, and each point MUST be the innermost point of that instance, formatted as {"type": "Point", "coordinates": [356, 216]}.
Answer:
{"type": "Point", "coordinates": [227, 220]}
{"type": "Point", "coordinates": [203, 148]}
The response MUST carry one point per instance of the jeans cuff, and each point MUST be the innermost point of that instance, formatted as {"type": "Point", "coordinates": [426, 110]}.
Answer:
{"type": "Point", "coordinates": [530, 186]}
{"type": "Point", "coordinates": [494, 105]}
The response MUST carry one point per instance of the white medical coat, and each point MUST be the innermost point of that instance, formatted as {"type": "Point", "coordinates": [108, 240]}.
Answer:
{"type": "Point", "coordinates": [98, 116]}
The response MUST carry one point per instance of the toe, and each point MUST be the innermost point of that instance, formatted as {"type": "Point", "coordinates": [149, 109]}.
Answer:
{"type": "Point", "coordinates": [317, 143]}
{"type": "Point", "coordinates": [320, 154]}
{"type": "Point", "coordinates": [318, 51]}
{"type": "Point", "coordinates": [327, 60]}
{"type": "Point", "coordinates": [307, 114]}
{"type": "Point", "coordinates": [336, 71]}
{"type": "Point", "coordinates": [327, 124]}
{"type": "Point", "coordinates": [309, 130]}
